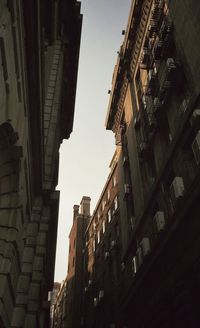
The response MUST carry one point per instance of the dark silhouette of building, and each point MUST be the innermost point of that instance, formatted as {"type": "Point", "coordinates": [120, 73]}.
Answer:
{"type": "Point", "coordinates": [39, 50]}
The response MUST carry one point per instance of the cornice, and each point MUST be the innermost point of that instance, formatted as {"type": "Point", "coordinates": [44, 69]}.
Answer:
{"type": "Point", "coordinates": [128, 58]}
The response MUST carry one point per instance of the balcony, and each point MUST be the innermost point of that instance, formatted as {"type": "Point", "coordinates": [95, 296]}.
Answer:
{"type": "Point", "coordinates": [145, 58]}
{"type": "Point", "coordinates": [165, 29]}
{"type": "Point", "coordinates": [152, 29]}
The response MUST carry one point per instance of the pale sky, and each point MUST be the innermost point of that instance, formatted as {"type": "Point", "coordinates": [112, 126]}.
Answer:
{"type": "Point", "coordinates": [85, 157]}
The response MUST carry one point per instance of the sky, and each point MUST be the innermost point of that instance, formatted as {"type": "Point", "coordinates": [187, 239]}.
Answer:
{"type": "Point", "coordinates": [85, 157]}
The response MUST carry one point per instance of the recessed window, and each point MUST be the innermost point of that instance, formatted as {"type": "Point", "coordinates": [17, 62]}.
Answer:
{"type": "Point", "coordinates": [98, 237]}
{"type": "Point", "coordinates": [94, 245]}
{"type": "Point", "coordinates": [109, 215]}
{"type": "Point", "coordinates": [115, 204]}
{"type": "Point", "coordinates": [104, 227]}
{"type": "Point", "coordinates": [103, 204]}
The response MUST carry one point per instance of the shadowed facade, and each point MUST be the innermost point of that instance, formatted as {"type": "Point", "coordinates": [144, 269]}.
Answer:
{"type": "Point", "coordinates": [39, 50]}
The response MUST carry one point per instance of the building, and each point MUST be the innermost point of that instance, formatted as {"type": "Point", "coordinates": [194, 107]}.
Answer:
{"type": "Point", "coordinates": [102, 257]}
{"type": "Point", "coordinates": [53, 297]}
{"type": "Point", "coordinates": [68, 307]}
{"type": "Point", "coordinates": [39, 51]}
{"type": "Point", "coordinates": [154, 113]}
{"type": "Point", "coordinates": [59, 306]}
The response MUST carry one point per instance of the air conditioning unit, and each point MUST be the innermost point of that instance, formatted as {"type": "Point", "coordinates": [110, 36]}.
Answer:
{"type": "Point", "coordinates": [106, 255]}
{"type": "Point", "coordinates": [96, 301]}
{"type": "Point", "coordinates": [170, 64]}
{"type": "Point", "coordinates": [196, 147]}
{"type": "Point", "coordinates": [145, 246]}
{"type": "Point", "coordinates": [86, 289]}
{"type": "Point", "coordinates": [177, 189]}
{"type": "Point", "coordinates": [137, 120]}
{"type": "Point", "coordinates": [125, 159]}
{"type": "Point", "coordinates": [184, 106]}
{"type": "Point", "coordinates": [195, 118]}
{"type": "Point", "coordinates": [135, 267]}
{"type": "Point", "coordinates": [143, 149]}
{"type": "Point", "coordinates": [101, 295]}
{"type": "Point", "coordinates": [159, 220]}
{"type": "Point", "coordinates": [122, 266]}
{"type": "Point", "coordinates": [133, 222]}
{"type": "Point", "coordinates": [152, 121]}
{"type": "Point", "coordinates": [113, 243]}
{"type": "Point", "coordinates": [126, 189]}
{"type": "Point", "coordinates": [50, 295]}
{"type": "Point", "coordinates": [89, 282]}
{"type": "Point", "coordinates": [157, 104]}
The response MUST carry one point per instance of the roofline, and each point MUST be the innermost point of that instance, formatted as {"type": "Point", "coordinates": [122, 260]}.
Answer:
{"type": "Point", "coordinates": [120, 70]}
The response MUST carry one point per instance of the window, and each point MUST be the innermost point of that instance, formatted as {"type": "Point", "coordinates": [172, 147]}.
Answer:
{"type": "Point", "coordinates": [109, 215]}
{"type": "Point", "coordinates": [94, 245]}
{"type": "Point", "coordinates": [115, 204]}
{"type": "Point", "coordinates": [108, 194]}
{"type": "Point", "coordinates": [104, 227]}
{"type": "Point", "coordinates": [94, 226]}
{"type": "Point", "coordinates": [103, 204]}
{"type": "Point", "coordinates": [98, 237]}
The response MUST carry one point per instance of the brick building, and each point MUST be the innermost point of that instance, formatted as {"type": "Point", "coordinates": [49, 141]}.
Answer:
{"type": "Point", "coordinates": [39, 50]}
{"type": "Point", "coordinates": [102, 256]}
{"type": "Point", "coordinates": [68, 307]}
{"type": "Point", "coordinates": [154, 113]}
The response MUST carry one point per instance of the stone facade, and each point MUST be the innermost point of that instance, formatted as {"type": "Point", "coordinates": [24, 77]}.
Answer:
{"type": "Point", "coordinates": [35, 65]}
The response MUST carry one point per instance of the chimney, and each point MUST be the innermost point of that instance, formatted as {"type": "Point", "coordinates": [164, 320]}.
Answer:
{"type": "Point", "coordinates": [85, 206]}
{"type": "Point", "coordinates": [76, 211]}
